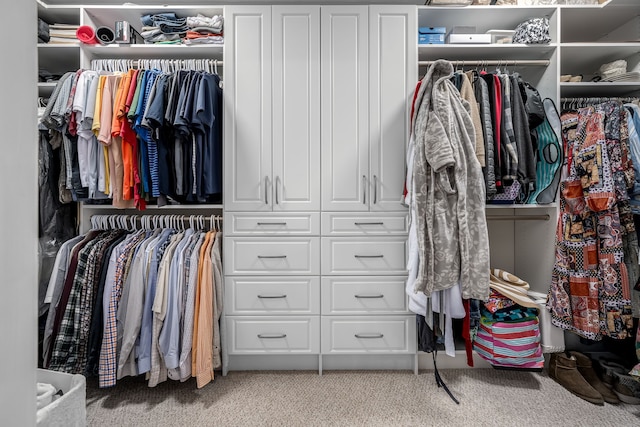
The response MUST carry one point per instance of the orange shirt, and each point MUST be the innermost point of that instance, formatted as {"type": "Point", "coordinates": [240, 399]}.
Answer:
{"type": "Point", "coordinates": [196, 307]}
{"type": "Point", "coordinates": [204, 359]}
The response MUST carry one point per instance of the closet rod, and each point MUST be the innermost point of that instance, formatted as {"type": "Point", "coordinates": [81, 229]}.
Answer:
{"type": "Point", "coordinates": [545, 217]}
{"type": "Point", "coordinates": [492, 62]}
{"type": "Point", "coordinates": [211, 61]}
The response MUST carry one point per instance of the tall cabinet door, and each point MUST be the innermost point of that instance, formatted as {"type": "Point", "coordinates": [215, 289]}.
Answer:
{"type": "Point", "coordinates": [247, 99]}
{"type": "Point", "coordinates": [344, 108]}
{"type": "Point", "coordinates": [393, 72]}
{"type": "Point", "coordinates": [296, 108]}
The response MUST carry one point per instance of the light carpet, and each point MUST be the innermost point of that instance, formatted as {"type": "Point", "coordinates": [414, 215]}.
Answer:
{"type": "Point", "coordinates": [352, 398]}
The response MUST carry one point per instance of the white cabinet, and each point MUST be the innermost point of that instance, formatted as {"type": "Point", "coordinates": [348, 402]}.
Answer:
{"type": "Point", "coordinates": [345, 102]}
{"type": "Point", "coordinates": [368, 335]}
{"type": "Point", "coordinates": [393, 74]}
{"type": "Point", "coordinates": [264, 335]}
{"type": "Point", "coordinates": [296, 108]}
{"type": "Point", "coordinates": [369, 69]}
{"type": "Point", "coordinates": [272, 143]}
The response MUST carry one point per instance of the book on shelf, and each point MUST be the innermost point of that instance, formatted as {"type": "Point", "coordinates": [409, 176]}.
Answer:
{"type": "Point", "coordinates": [63, 40]}
{"type": "Point", "coordinates": [64, 26]}
{"type": "Point", "coordinates": [63, 33]}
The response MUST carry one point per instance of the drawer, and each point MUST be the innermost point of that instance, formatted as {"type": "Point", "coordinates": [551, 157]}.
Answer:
{"type": "Point", "coordinates": [364, 255]}
{"type": "Point", "coordinates": [275, 255]}
{"type": "Point", "coordinates": [268, 224]}
{"type": "Point", "coordinates": [359, 334]}
{"type": "Point", "coordinates": [254, 335]}
{"type": "Point", "coordinates": [362, 295]}
{"type": "Point", "coordinates": [277, 295]}
{"type": "Point", "coordinates": [341, 224]}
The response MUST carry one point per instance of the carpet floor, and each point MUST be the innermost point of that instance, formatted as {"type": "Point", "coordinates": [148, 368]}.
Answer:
{"type": "Point", "coordinates": [352, 398]}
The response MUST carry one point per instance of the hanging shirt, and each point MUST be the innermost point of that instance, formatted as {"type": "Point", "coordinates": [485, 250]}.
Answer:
{"type": "Point", "coordinates": [203, 326]}
{"type": "Point", "coordinates": [191, 272]}
{"type": "Point", "coordinates": [158, 372]}
{"type": "Point", "coordinates": [113, 291]}
{"type": "Point", "coordinates": [169, 340]}
{"type": "Point", "coordinates": [155, 251]}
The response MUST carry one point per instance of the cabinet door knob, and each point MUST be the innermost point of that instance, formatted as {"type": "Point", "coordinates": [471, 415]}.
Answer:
{"type": "Point", "coordinates": [272, 223]}
{"type": "Point", "coordinates": [271, 296]}
{"type": "Point", "coordinates": [369, 256]}
{"type": "Point", "coordinates": [370, 296]}
{"type": "Point", "coordinates": [266, 190]}
{"type": "Point", "coordinates": [271, 256]}
{"type": "Point", "coordinates": [277, 185]}
{"type": "Point", "coordinates": [369, 223]}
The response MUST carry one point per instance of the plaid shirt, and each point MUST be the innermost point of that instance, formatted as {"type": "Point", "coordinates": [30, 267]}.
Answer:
{"type": "Point", "coordinates": [108, 357]}
{"type": "Point", "coordinates": [64, 356]}
{"type": "Point", "coordinates": [88, 298]}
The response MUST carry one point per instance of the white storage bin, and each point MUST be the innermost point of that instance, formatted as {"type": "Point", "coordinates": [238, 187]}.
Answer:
{"type": "Point", "coordinates": [552, 337]}
{"type": "Point", "coordinates": [70, 408]}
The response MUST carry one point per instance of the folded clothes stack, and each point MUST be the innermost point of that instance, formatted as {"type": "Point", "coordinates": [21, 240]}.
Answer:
{"type": "Point", "coordinates": [167, 28]}
{"type": "Point", "coordinates": [63, 33]}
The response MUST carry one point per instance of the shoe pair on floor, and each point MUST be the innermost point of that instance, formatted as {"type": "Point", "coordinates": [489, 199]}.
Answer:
{"type": "Point", "coordinates": [575, 372]}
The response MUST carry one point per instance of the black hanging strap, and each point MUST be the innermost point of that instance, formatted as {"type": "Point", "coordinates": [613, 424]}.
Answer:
{"type": "Point", "coordinates": [440, 381]}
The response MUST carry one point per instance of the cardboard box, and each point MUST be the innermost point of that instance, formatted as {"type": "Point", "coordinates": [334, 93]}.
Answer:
{"type": "Point", "coordinates": [431, 35]}
{"type": "Point", "coordinates": [469, 38]}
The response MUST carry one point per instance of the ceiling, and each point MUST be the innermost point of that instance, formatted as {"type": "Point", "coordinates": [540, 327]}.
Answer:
{"type": "Point", "coordinates": [222, 2]}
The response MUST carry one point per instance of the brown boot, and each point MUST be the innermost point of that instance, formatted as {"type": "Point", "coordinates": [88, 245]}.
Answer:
{"type": "Point", "coordinates": [563, 370]}
{"type": "Point", "coordinates": [585, 368]}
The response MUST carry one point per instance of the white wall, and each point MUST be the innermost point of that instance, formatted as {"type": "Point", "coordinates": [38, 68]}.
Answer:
{"type": "Point", "coordinates": [18, 215]}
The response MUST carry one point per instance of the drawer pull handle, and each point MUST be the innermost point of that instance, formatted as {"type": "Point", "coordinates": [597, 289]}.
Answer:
{"type": "Point", "coordinates": [369, 296]}
{"type": "Point", "coordinates": [271, 296]}
{"type": "Point", "coordinates": [369, 256]}
{"type": "Point", "coordinates": [271, 256]}
{"type": "Point", "coordinates": [369, 335]}
{"type": "Point", "coordinates": [272, 223]}
{"type": "Point", "coordinates": [272, 336]}
{"type": "Point", "coordinates": [369, 223]}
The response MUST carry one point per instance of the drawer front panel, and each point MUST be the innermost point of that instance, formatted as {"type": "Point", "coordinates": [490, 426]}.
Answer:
{"type": "Point", "coordinates": [393, 334]}
{"type": "Point", "coordinates": [287, 255]}
{"type": "Point", "coordinates": [255, 335]}
{"type": "Point", "coordinates": [268, 225]}
{"type": "Point", "coordinates": [366, 255]}
{"type": "Point", "coordinates": [363, 295]}
{"type": "Point", "coordinates": [277, 295]}
{"type": "Point", "coordinates": [336, 224]}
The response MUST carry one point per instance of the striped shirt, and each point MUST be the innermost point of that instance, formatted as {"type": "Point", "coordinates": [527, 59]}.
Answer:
{"type": "Point", "coordinates": [108, 358]}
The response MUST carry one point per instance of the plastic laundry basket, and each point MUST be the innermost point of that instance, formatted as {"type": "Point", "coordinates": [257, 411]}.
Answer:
{"type": "Point", "coordinates": [552, 337]}
{"type": "Point", "coordinates": [69, 409]}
